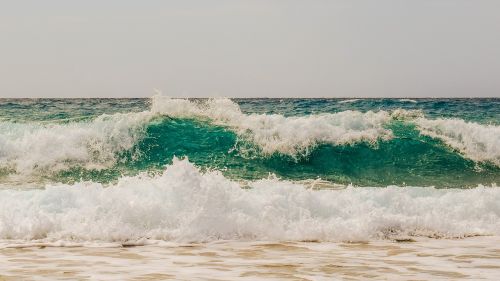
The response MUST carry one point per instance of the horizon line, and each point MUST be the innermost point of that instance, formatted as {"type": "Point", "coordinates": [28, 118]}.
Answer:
{"type": "Point", "coordinates": [208, 97]}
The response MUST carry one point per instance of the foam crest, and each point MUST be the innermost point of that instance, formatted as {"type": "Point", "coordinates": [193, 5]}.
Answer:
{"type": "Point", "coordinates": [277, 133]}
{"type": "Point", "coordinates": [405, 114]}
{"type": "Point", "coordinates": [349, 101]}
{"type": "Point", "coordinates": [26, 148]}
{"type": "Point", "coordinates": [186, 205]}
{"type": "Point", "coordinates": [408, 100]}
{"type": "Point", "coordinates": [36, 148]}
{"type": "Point", "coordinates": [475, 141]}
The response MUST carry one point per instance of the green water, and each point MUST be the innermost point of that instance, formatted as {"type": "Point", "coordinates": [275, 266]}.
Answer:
{"type": "Point", "coordinates": [408, 158]}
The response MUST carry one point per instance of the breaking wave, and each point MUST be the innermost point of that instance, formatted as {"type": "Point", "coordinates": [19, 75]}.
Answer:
{"type": "Point", "coordinates": [184, 204]}
{"type": "Point", "coordinates": [93, 145]}
{"type": "Point", "coordinates": [475, 141]}
{"type": "Point", "coordinates": [28, 148]}
{"type": "Point", "coordinates": [277, 133]}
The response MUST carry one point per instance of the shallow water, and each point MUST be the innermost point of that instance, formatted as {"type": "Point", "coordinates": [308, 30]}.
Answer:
{"type": "Point", "coordinates": [476, 258]}
{"type": "Point", "coordinates": [146, 189]}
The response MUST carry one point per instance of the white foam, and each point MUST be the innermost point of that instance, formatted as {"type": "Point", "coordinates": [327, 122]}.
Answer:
{"type": "Point", "coordinates": [30, 147]}
{"type": "Point", "coordinates": [184, 204]}
{"type": "Point", "coordinates": [26, 148]}
{"type": "Point", "coordinates": [405, 114]}
{"type": "Point", "coordinates": [408, 100]}
{"type": "Point", "coordinates": [349, 101]}
{"type": "Point", "coordinates": [277, 133]}
{"type": "Point", "coordinates": [475, 141]}
{"type": "Point", "coordinates": [37, 148]}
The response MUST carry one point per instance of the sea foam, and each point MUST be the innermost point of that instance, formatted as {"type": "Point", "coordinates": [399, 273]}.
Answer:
{"type": "Point", "coordinates": [27, 148]}
{"type": "Point", "coordinates": [292, 135]}
{"type": "Point", "coordinates": [475, 141]}
{"type": "Point", "coordinates": [277, 133]}
{"type": "Point", "coordinates": [186, 205]}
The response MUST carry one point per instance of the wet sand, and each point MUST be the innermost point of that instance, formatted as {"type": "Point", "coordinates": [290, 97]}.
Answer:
{"type": "Point", "coordinates": [475, 258]}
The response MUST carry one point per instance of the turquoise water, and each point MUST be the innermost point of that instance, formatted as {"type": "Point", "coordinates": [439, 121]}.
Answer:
{"type": "Point", "coordinates": [144, 171]}
{"type": "Point", "coordinates": [422, 142]}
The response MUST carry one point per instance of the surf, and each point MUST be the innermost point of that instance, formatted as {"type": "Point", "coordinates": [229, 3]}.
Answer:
{"type": "Point", "coordinates": [185, 204]}
{"type": "Point", "coordinates": [364, 148]}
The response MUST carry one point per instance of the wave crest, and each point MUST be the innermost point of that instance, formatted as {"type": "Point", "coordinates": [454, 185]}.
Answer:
{"type": "Point", "coordinates": [475, 141]}
{"type": "Point", "coordinates": [278, 133]}
{"type": "Point", "coordinates": [27, 148]}
{"type": "Point", "coordinates": [31, 147]}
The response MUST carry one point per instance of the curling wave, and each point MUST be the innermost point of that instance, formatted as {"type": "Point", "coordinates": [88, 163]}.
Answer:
{"type": "Point", "coordinates": [33, 147]}
{"type": "Point", "coordinates": [292, 135]}
{"type": "Point", "coordinates": [277, 133]}
{"type": "Point", "coordinates": [364, 148]}
{"type": "Point", "coordinates": [475, 141]}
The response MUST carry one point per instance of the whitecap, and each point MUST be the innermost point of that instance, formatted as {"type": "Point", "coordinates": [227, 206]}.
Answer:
{"type": "Point", "coordinates": [186, 205]}
{"type": "Point", "coordinates": [475, 141]}
{"type": "Point", "coordinates": [349, 101]}
{"type": "Point", "coordinates": [408, 100]}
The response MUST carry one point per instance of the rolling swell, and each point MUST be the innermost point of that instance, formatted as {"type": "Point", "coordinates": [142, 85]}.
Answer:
{"type": "Point", "coordinates": [409, 158]}
{"type": "Point", "coordinates": [373, 148]}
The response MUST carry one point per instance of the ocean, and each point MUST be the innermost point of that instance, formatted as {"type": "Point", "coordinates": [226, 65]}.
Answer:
{"type": "Point", "coordinates": [163, 173]}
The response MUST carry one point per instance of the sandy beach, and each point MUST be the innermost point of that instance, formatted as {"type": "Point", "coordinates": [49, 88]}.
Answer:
{"type": "Point", "coordinates": [476, 258]}
{"type": "Point", "coordinates": [250, 140]}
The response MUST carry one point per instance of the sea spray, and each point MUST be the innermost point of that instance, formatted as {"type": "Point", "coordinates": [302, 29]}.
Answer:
{"type": "Point", "coordinates": [367, 147]}
{"type": "Point", "coordinates": [186, 205]}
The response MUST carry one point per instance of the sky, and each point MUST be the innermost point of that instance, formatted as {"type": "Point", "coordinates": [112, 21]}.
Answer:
{"type": "Point", "coordinates": [257, 48]}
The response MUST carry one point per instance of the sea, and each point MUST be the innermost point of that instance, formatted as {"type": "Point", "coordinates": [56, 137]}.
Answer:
{"type": "Point", "coordinates": [299, 189]}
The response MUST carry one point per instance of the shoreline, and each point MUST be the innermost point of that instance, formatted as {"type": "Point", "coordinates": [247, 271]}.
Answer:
{"type": "Point", "coordinates": [424, 258]}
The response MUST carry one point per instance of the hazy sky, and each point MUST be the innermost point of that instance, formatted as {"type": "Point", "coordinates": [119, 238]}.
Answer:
{"type": "Point", "coordinates": [287, 48]}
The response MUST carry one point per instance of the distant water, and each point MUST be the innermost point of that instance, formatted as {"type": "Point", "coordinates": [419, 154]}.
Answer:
{"type": "Point", "coordinates": [259, 169]}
